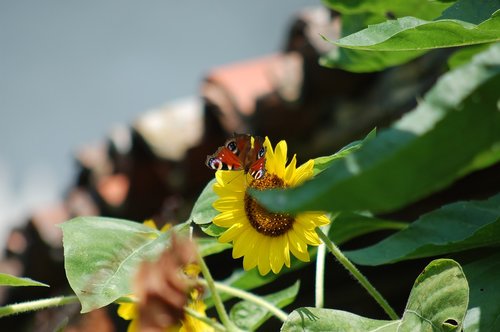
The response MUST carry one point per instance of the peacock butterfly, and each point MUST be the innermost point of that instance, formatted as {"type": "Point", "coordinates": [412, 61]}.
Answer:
{"type": "Point", "coordinates": [242, 152]}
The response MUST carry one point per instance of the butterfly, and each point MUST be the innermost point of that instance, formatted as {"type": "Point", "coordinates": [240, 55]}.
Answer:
{"type": "Point", "coordinates": [242, 152]}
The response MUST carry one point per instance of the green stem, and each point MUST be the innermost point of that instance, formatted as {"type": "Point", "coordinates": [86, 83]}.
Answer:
{"type": "Point", "coordinates": [216, 326]}
{"type": "Point", "coordinates": [219, 305]}
{"type": "Point", "coordinates": [18, 308]}
{"type": "Point", "coordinates": [320, 277]}
{"type": "Point", "coordinates": [280, 314]}
{"type": "Point", "coordinates": [357, 274]}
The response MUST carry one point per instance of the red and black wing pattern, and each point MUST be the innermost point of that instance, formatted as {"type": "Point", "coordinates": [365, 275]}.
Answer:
{"type": "Point", "coordinates": [239, 154]}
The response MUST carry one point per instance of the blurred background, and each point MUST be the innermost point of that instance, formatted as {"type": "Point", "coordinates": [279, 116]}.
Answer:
{"type": "Point", "coordinates": [71, 71]}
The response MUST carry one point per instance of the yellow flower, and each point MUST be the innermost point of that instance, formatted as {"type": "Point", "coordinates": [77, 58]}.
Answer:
{"type": "Point", "coordinates": [265, 239]}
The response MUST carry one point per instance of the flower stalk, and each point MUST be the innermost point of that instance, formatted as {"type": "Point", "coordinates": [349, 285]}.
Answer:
{"type": "Point", "coordinates": [319, 296]}
{"type": "Point", "coordinates": [17, 308]}
{"type": "Point", "coordinates": [219, 305]}
{"type": "Point", "coordinates": [357, 274]}
{"type": "Point", "coordinates": [236, 292]}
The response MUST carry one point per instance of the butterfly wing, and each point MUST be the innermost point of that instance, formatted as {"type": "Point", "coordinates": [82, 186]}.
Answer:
{"type": "Point", "coordinates": [238, 153]}
{"type": "Point", "coordinates": [257, 159]}
{"type": "Point", "coordinates": [224, 159]}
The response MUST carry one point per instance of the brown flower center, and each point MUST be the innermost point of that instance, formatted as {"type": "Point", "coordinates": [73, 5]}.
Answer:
{"type": "Point", "coordinates": [263, 221]}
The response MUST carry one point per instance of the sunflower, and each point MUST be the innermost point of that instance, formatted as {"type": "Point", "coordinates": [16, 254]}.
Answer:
{"type": "Point", "coordinates": [265, 239]}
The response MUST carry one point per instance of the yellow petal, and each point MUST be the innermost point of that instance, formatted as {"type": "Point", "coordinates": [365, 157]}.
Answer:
{"type": "Point", "coordinates": [250, 261]}
{"type": "Point", "coordinates": [286, 251]}
{"type": "Point", "coordinates": [312, 238]}
{"type": "Point", "coordinates": [306, 236]}
{"type": "Point", "coordinates": [242, 246]}
{"type": "Point", "coordinates": [224, 191]}
{"type": "Point", "coordinates": [232, 233]}
{"type": "Point", "coordinates": [304, 172]}
{"type": "Point", "coordinates": [270, 159]}
{"type": "Point", "coordinates": [276, 254]}
{"type": "Point", "coordinates": [229, 218]}
{"type": "Point", "coordinates": [233, 180]}
{"type": "Point", "coordinates": [297, 246]}
{"type": "Point", "coordinates": [263, 263]}
{"type": "Point", "coordinates": [305, 221]}
{"type": "Point", "coordinates": [251, 258]}
{"type": "Point", "coordinates": [280, 155]}
{"type": "Point", "coordinates": [127, 311]}
{"type": "Point", "coordinates": [150, 223]}
{"type": "Point", "coordinates": [228, 204]}
{"type": "Point", "coordinates": [133, 326]}
{"type": "Point", "coordinates": [290, 170]}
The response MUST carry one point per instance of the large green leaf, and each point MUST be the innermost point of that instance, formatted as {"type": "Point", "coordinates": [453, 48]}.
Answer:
{"type": "Point", "coordinates": [101, 256]}
{"type": "Point", "coordinates": [454, 227]}
{"type": "Point", "coordinates": [249, 316]}
{"type": "Point", "coordinates": [10, 280]}
{"type": "Point", "coordinates": [358, 61]}
{"type": "Point", "coordinates": [457, 122]}
{"type": "Point", "coordinates": [316, 319]}
{"type": "Point", "coordinates": [423, 9]}
{"type": "Point", "coordinates": [438, 300]}
{"type": "Point", "coordinates": [322, 163]}
{"type": "Point", "coordinates": [383, 45]}
{"type": "Point", "coordinates": [348, 225]}
{"type": "Point", "coordinates": [484, 306]}
{"type": "Point", "coordinates": [472, 11]}
{"type": "Point", "coordinates": [415, 34]}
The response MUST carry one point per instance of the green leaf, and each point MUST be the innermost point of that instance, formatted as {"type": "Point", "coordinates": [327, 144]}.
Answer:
{"type": "Point", "coordinates": [322, 163]}
{"type": "Point", "coordinates": [212, 229]}
{"type": "Point", "coordinates": [423, 9]}
{"type": "Point", "coordinates": [421, 32]}
{"type": "Point", "coordinates": [484, 282]}
{"type": "Point", "coordinates": [210, 246]}
{"type": "Point", "coordinates": [414, 34]}
{"type": "Point", "coordinates": [438, 300]}
{"type": "Point", "coordinates": [10, 280]}
{"type": "Point", "coordinates": [471, 11]}
{"type": "Point", "coordinates": [101, 256]}
{"type": "Point", "coordinates": [315, 319]}
{"type": "Point", "coordinates": [438, 142]}
{"type": "Point", "coordinates": [203, 211]}
{"type": "Point", "coordinates": [249, 316]}
{"type": "Point", "coordinates": [357, 61]}
{"type": "Point", "coordinates": [348, 225]}
{"type": "Point", "coordinates": [454, 227]}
